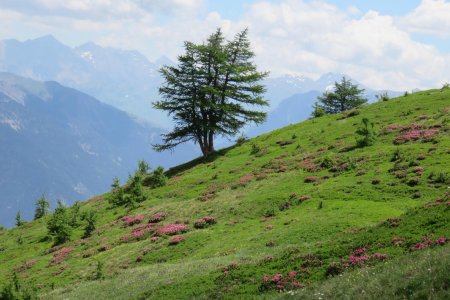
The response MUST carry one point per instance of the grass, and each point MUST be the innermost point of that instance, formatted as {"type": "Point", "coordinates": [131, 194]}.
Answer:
{"type": "Point", "coordinates": [354, 192]}
{"type": "Point", "coordinates": [421, 275]}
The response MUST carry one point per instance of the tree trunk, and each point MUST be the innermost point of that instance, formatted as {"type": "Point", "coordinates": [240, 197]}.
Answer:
{"type": "Point", "coordinates": [211, 141]}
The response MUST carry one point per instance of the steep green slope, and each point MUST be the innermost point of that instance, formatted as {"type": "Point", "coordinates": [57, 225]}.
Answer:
{"type": "Point", "coordinates": [301, 199]}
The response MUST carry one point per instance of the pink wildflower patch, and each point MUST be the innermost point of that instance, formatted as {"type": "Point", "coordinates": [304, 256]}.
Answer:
{"type": "Point", "coordinates": [158, 217]}
{"type": "Point", "coordinates": [155, 238]}
{"type": "Point", "coordinates": [60, 255]}
{"type": "Point", "coordinates": [419, 246]}
{"type": "Point", "coordinates": [276, 277]}
{"type": "Point", "coordinates": [125, 238]}
{"type": "Point", "coordinates": [171, 229]}
{"type": "Point", "coordinates": [398, 241]}
{"type": "Point", "coordinates": [292, 274]}
{"type": "Point", "coordinates": [360, 251]}
{"type": "Point", "coordinates": [138, 233]}
{"type": "Point", "coordinates": [309, 165]}
{"type": "Point", "coordinates": [379, 256]}
{"type": "Point", "coordinates": [281, 282]}
{"type": "Point", "coordinates": [303, 198]}
{"type": "Point", "coordinates": [132, 220]}
{"type": "Point", "coordinates": [441, 241]}
{"type": "Point", "coordinates": [415, 135]}
{"type": "Point", "coordinates": [204, 222]}
{"type": "Point", "coordinates": [358, 261]}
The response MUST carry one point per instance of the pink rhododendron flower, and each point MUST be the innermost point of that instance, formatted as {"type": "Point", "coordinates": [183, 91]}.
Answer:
{"type": "Point", "coordinates": [441, 241]}
{"type": "Point", "coordinates": [170, 229]}
{"type": "Point", "coordinates": [60, 255]}
{"type": "Point", "coordinates": [360, 251]}
{"type": "Point", "coordinates": [292, 274]}
{"type": "Point", "coordinates": [379, 256]}
{"type": "Point", "coordinates": [277, 277]}
{"type": "Point", "coordinates": [158, 217]}
{"type": "Point", "coordinates": [132, 220]}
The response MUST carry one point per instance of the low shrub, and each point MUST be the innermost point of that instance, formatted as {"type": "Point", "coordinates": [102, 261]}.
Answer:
{"type": "Point", "coordinates": [171, 229]}
{"type": "Point", "coordinates": [132, 220]}
{"type": "Point", "coordinates": [158, 217]}
{"type": "Point", "coordinates": [204, 222]}
{"type": "Point", "coordinates": [376, 181]}
{"type": "Point", "coordinates": [281, 282]}
{"type": "Point", "coordinates": [310, 179]}
{"type": "Point", "coordinates": [176, 239]}
{"type": "Point", "coordinates": [60, 256]}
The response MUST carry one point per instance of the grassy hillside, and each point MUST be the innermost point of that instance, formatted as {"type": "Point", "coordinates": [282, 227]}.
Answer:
{"type": "Point", "coordinates": [302, 202]}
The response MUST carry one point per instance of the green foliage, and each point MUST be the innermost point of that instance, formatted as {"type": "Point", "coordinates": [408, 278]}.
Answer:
{"type": "Point", "coordinates": [383, 97]}
{"type": "Point", "coordinates": [397, 156]}
{"type": "Point", "coordinates": [211, 91]}
{"type": "Point", "coordinates": [42, 207]}
{"type": "Point", "coordinates": [318, 111]}
{"type": "Point", "coordinates": [445, 86]}
{"type": "Point", "coordinates": [117, 194]}
{"type": "Point", "coordinates": [158, 178]}
{"type": "Point", "coordinates": [99, 270]}
{"type": "Point", "coordinates": [345, 96]}
{"type": "Point", "coordinates": [143, 167]}
{"type": "Point", "coordinates": [58, 225]}
{"type": "Point", "coordinates": [75, 214]}
{"type": "Point", "coordinates": [134, 189]}
{"type": "Point", "coordinates": [367, 133]}
{"type": "Point", "coordinates": [90, 217]}
{"type": "Point", "coordinates": [19, 221]}
{"type": "Point", "coordinates": [255, 149]}
{"type": "Point", "coordinates": [327, 162]}
{"type": "Point", "coordinates": [15, 291]}
{"type": "Point", "coordinates": [241, 139]}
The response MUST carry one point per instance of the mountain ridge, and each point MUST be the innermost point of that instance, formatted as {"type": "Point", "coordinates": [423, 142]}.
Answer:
{"type": "Point", "coordinates": [52, 134]}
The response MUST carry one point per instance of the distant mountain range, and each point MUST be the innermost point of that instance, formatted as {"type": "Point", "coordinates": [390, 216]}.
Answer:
{"type": "Point", "coordinates": [122, 78]}
{"type": "Point", "coordinates": [125, 79]}
{"type": "Point", "coordinates": [66, 144]}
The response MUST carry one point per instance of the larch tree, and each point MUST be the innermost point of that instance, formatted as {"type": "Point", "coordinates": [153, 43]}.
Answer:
{"type": "Point", "coordinates": [345, 96]}
{"type": "Point", "coordinates": [212, 92]}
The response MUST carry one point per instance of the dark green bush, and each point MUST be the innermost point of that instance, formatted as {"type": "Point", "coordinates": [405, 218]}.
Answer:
{"type": "Point", "coordinates": [58, 225]}
{"type": "Point", "coordinates": [157, 178]}
{"type": "Point", "coordinates": [367, 133]}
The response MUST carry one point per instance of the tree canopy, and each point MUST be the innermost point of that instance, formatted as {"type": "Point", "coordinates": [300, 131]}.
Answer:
{"type": "Point", "coordinates": [42, 207]}
{"type": "Point", "coordinates": [211, 92]}
{"type": "Point", "coordinates": [345, 96]}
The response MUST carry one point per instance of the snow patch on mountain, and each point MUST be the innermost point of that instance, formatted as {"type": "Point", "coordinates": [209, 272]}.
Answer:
{"type": "Point", "coordinates": [87, 55]}
{"type": "Point", "coordinates": [12, 120]}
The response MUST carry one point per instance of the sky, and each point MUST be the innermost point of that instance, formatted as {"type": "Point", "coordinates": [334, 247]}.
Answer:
{"type": "Point", "coordinates": [384, 44]}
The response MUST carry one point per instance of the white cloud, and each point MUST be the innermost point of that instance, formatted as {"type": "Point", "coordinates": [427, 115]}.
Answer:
{"type": "Point", "coordinates": [288, 36]}
{"type": "Point", "coordinates": [102, 9]}
{"type": "Point", "coordinates": [313, 38]}
{"type": "Point", "coordinates": [430, 17]}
